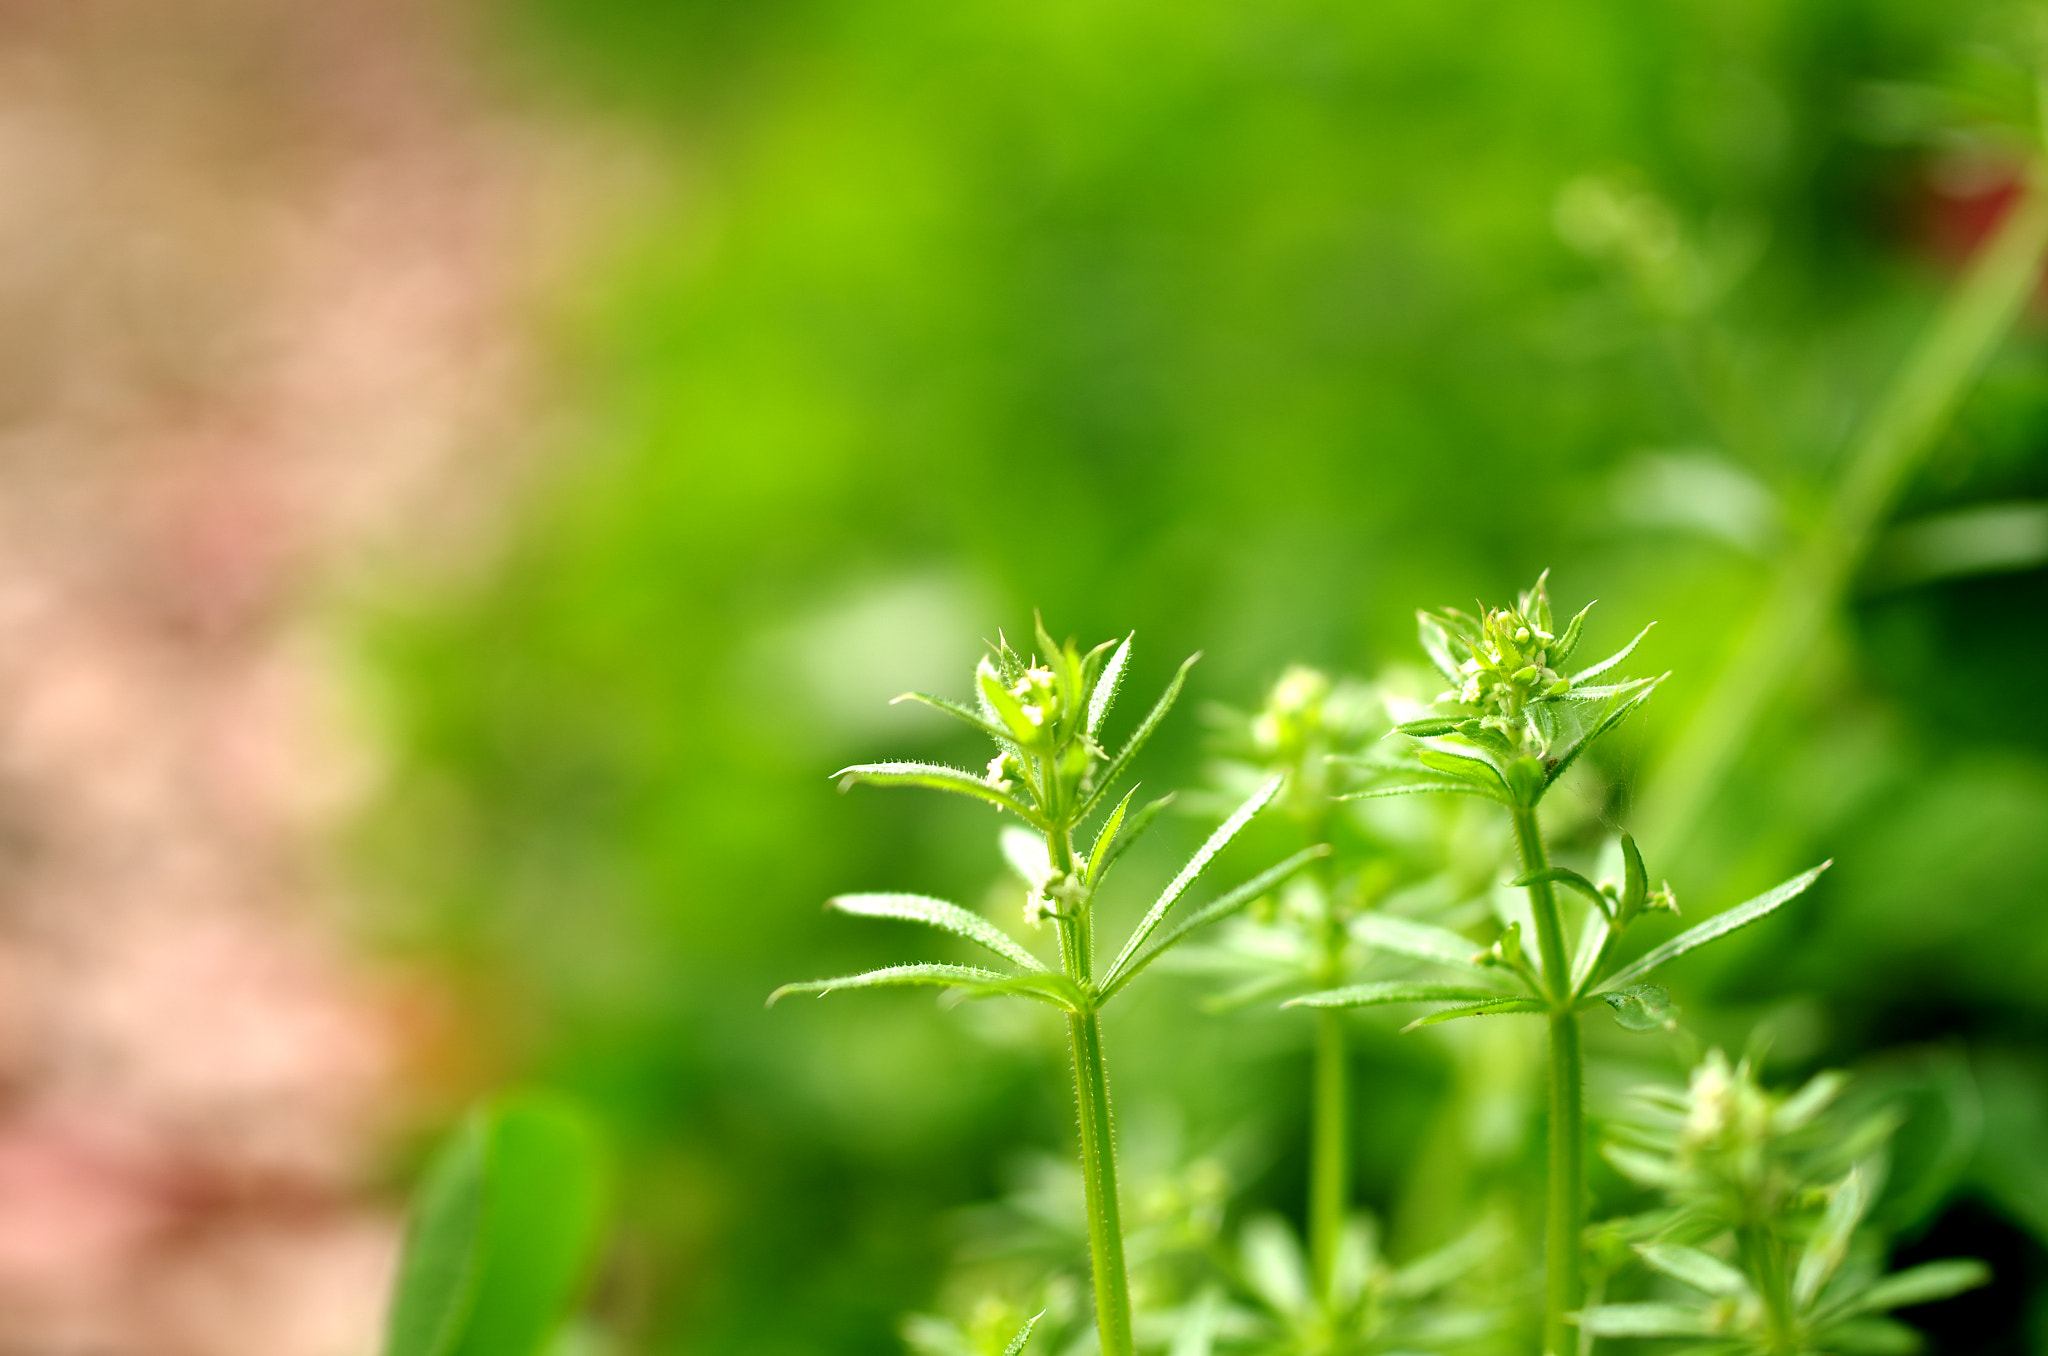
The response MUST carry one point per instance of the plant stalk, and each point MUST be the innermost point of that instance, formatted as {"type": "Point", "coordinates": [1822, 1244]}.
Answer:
{"type": "Point", "coordinates": [1565, 1204]}
{"type": "Point", "coordinates": [1098, 1173]}
{"type": "Point", "coordinates": [1329, 1161]}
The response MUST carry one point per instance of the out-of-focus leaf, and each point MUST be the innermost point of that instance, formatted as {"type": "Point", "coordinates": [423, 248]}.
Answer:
{"type": "Point", "coordinates": [1372, 995]}
{"type": "Point", "coordinates": [1720, 925]}
{"type": "Point", "coordinates": [1642, 1007]}
{"type": "Point", "coordinates": [1872, 1337]}
{"type": "Point", "coordinates": [1645, 1320]}
{"type": "Point", "coordinates": [1119, 764]}
{"type": "Point", "coordinates": [1112, 677]}
{"type": "Point", "coordinates": [1026, 854]}
{"type": "Point", "coordinates": [1434, 1270]}
{"type": "Point", "coordinates": [1830, 1241]}
{"type": "Point", "coordinates": [1273, 1265]}
{"type": "Point", "coordinates": [1701, 1270]}
{"type": "Point", "coordinates": [1923, 1284]}
{"type": "Point", "coordinates": [939, 914]}
{"type": "Point", "coordinates": [1796, 1111]}
{"type": "Point", "coordinates": [1405, 937]}
{"type": "Point", "coordinates": [1496, 1007]}
{"type": "Point", "coordinates": [1044, 986]}
{"type": "Point", "coordinates": [1644, 1169]}
{"type": "Point", "coordinates": [1218, 909]}
{"type": "Point", "coordinates": [1196, 864]}
{"type": "Point", "coordinates": [1196, 1335]}
{"type": "Point", "coordinates": [940, 778]}
{"type": "Point", "coordinates": [502, 1234]}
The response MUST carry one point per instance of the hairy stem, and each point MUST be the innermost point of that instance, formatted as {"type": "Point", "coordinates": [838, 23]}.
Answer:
{"type": "Point", "coordinates": [1329, 1161]}
{"type": "Point", "coordinates": [1565, 1205]}
{"type": "Point", "coordinates": [1098, 1172]}
{"type": "Point", "coordinates": [1897, 437]}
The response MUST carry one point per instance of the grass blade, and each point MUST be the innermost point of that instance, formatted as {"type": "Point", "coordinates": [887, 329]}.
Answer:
{"type": "Point", "coordinates": [1720, 925]}
{"type": "Point", "coordinates": [939, 914]}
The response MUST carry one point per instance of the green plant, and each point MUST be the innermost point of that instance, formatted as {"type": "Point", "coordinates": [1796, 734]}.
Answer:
{"type": "Point", "coordinates": [1052, 772]}
{"type": "Point", "coordinates": [1515, 719]}
{"type": "Point", "coordinates": [1763, 1230]}
{"type": "Point", "coordinates": [503, 1230]}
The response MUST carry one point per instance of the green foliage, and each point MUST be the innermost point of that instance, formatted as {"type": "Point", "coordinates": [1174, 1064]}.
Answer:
{"type": "Point", "coordinates": [1765, 1230]}
{"type": "Point", "coordinates": [503, 1232]}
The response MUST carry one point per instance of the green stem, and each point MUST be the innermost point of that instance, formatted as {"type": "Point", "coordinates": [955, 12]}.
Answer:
{"type": "Point", "coordinates": [1098, 1173]}
{"type": "Point", "coordinates": [1899, 434]}
{"type": "Point", "coordinates": [1565, 1206]}
{"type": "Point", "coordinates": [1329, 1163]}
{"type": "Point", "coordinates": [1098, 1140]}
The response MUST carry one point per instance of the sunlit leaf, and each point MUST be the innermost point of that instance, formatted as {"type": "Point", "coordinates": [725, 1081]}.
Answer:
{"type": "Point", "coordinates": [938, 913]}
{"type": "Point", "coordinates": [1373, 995]}
{"type": "Point", "coordinates": [1134, 828]}
{"type": "Point", "coordinates": [1098, 856]}
{"type": "Point", "coordinates": [1566, 645]}
{"type": "Point", "coordinates": [1045, 987]}
{"type": "Point", "coordinates": [1023, 1334]}
{"type": "Point", "coordinates": [1196, 1335]}
{"type": "Point", "coordinates": [1720, 925]}
{"type": "Point", "coordinates": [1121, 974]}
{"type": "Point", "coordinates": [996, 695]}
{"type": "Point", "coordinates": [1423, 941]}
{"type": "Point", "coordinates": [1595, 670]}
{"type": "Point", "coordinates": [1196, 864]}
{"type": "Point", "coordinates": [1700, 1270]}
{"type": "Point", "coordinates": [940, 778]}
{"type": "Point", "coordinates": [1644, 1169]}
{"type": "Point", "coordinates": [1104, 695]}
{"type": "Point", "coordinates": [1273, 1265]}
{"type": "Point", "coordinates": [1497, 1007]}
{"type": "Point", "coordinates": [502, 1234]}
{"type": "Point", "coordinates": [1645, 1320]}
{"type": "Point", "coordinates": [1119, 764]}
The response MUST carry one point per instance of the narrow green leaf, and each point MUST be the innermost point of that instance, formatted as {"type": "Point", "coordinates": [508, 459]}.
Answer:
{"type": "Point", "coordinates": [1435, 639]}
{"type": "Point", "coordinates": [1423, 941]}
{"type": "Point", "coordinates": [996, 695]}
{"type": "Point", "coordinates": [1215, 911]}
{"type": "Point", "coordinates": [1025, 853]}
{"type": "Point", "coordinates": [1564, 875]}
{"type": "Point", "coordinates": [1119, 764]}
{"type": "Point", "coordinates": [1644, 1169]}
{"type": "Point", "coordinates": [1496, 1007]}
{"type": "Point", "coordinates": [1830, 1241]}
{"type": "Point", "coordinates": [1796, 1111]}
{"type": "Point", "coordinates": [1195, 866]}
{"type": "Point", "coordinates": [1104, 695]}
{"type": "Point", "coordinates": [1702, 1271]}
{"type": "Point", "coordinates": [940, 778]}
{"type": "Point", "coordinates": [1045, 987]}
{"type": "Point", "coordinates": [1642, 1007]}
{"type": "Point", "coordinates": [939, 914]}
{"type": "Point", "coordinates": [1720, 925]}
{"type": "Point", "coordinates": [1421, 785]}
{"type": "Point", "coordinates": [1372, 995]}
{"type": "Point", "coordinates": [1134, 829]}
{"type": "Point", "coordinates": [1616, 709]}
{"type": "Point", "coordinates": [1098, 856]}
{"type": "Point", "coordinates": [1645, 1320]}
{"type": "Point", "coordinates": [502, 1233]}
{"type": "Point", "coordinates": [1635, 887]}
{"type": "Point", "coordinates": [1429, 727]}
{"type": "Point", "coordinates": [1464, 767]}
{"type": "Point", "coordinates": [1567, 644]}
{"type": "Point", "coordinates": [1023, 1334]}
{"type": "Point", "coordinates": [1923, 1284]}
{"type": "Point", "coordinates": [1872, 1337]}
{"type": "Point", "coordinates": [1624, 652]}
{"type": "Point", "coordinates": [1274, 1267]}
{"type": "Point", "coordinates": [960, 713]}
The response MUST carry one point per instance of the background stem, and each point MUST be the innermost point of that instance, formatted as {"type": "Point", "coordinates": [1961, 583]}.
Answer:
{"type": "Point", "coordinates": [1329, 1161]}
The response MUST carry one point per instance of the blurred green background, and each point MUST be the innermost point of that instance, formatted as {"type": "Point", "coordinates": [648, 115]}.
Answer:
{"type": "Point", "coordinates": [1253, 328]}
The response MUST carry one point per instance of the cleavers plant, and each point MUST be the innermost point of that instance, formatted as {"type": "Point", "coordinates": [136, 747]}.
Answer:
{"type": "Point", "coordinates": [1515, 718]}
{"type": "Point", "coordinates": [1052, 772]}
